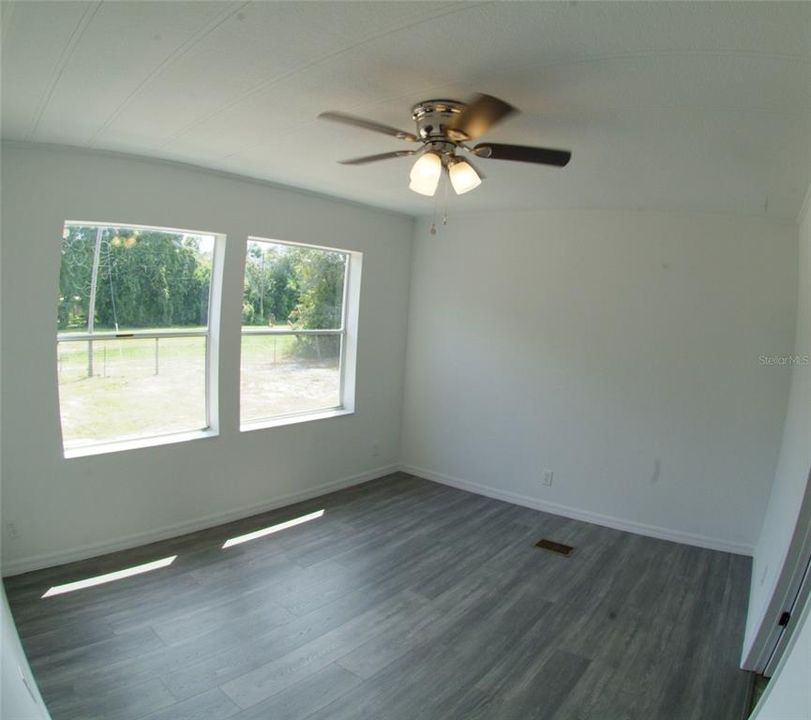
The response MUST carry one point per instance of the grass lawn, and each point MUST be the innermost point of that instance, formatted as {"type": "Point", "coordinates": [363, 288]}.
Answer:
{"type": "Point", "coordinates": [141, 388]}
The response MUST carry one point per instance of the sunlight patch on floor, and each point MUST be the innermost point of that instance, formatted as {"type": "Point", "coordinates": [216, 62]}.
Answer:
{"type": "Point", "coordinates": [110, 577]}
{"type": "Point", "coordinates": [272, 529]}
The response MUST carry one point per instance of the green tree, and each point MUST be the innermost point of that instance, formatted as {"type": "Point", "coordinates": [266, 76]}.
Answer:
{"type": "Point", "coordinates": [320, 278]}
{"type": "Point", "coordinates": [154, 279]}
{"type": "Point", "coordinates": [271, 290]}
{"type": "Point", "coordinates": [320, 275]}
{"type": "Point", "coordinates": [145, 279]}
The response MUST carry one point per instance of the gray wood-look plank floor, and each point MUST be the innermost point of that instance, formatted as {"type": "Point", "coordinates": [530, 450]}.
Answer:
{"type": "Point", "coordinates": [406, 600]}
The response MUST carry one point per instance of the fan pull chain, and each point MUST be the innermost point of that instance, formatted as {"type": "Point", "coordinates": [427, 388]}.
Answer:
{"type": "Point", "coordinates": [433, 217]}
{"type": "Point", "coordinates": [445, 182]}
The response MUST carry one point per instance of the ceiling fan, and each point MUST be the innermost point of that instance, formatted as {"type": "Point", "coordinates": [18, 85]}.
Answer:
{"type": "Point", "coordinates": [444, 127]}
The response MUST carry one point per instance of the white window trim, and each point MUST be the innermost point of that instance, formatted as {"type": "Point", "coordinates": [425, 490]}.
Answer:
{"type": "Point", "coordinates": [211, 334]}
{"type": "Point", "coordinates": [103, 448]}
{"type": "Point", "coordinates": [348, 332]}
{"type": "Point", "coordinates": [294, 419]}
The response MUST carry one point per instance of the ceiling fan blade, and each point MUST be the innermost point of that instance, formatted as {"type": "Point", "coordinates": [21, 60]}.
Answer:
{"type": "Point", "coordinates": [375, 158]}
{"type": "Point", "coordinates": [479, 116]}
{"type": "Point", "coordinates": [523, 153]}
{"type": "Point", "coordinates": [368, 125]}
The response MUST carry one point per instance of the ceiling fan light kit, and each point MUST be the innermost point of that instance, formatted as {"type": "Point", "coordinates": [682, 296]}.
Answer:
{"type": "Point", "coordinates": [464, 177]}
{"type": "Point", "coordinates": [426, 173]}
{"type": "Point", "coordinates": [444, 128]}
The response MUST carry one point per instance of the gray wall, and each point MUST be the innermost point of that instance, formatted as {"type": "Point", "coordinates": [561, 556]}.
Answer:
{"type": "Point", "coordinates": [19, 695]}
{"type": "Point", "coordinates": [619, 349]}
{"type": "Point", "coordinates": [68, 508]}
{"type": "Point", "coordinates": [794, 460]}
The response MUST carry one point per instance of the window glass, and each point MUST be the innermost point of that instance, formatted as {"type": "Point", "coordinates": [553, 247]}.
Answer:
{"type": "Point", "coordinates": [140, 387]}
{"type": "Point", "coordinates": [293, 324]}
{"type": "Point", "coordinates": [132, 340]}
{"type": "Point", "coordinates": [144, 279]}
{"type": "Point", "coordinates": [286, 374]}
{"type": "Point", "coordinates": [290, 286]}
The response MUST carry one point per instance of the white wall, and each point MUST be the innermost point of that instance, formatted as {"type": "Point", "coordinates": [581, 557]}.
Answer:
{"type": "Point", "coordinates": [788, 696]}
{"type": "Point", "coordinates": [619, 349]}
{"type": "Point", "coordinates": [64, 508]}
{"type": "Point", "coordinates": [794, 460]}
{"type": "Point", "coordinates": [19, 695]}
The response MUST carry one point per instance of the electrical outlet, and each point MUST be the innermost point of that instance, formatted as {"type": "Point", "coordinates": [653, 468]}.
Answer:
{"type": "Point", "coordinates": [547, 478]}
{"type": "Point", "coordinates": [12, 530]}
{"type": "Point", "coordinates": [375, 449]}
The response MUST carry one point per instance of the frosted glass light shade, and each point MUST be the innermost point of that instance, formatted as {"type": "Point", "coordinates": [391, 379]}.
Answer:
{"type": "Point", "coordinates": [425, 174]}
{"type": "Point", "coordinates": [463, 177]}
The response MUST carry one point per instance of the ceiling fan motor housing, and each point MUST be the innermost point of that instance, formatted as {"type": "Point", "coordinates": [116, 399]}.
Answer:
{"type": "Point", "coordinates": [434, 120]}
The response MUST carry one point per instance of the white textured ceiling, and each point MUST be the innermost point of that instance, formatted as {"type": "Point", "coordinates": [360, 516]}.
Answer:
{"type": "Point", "coordinates": [682, 106]}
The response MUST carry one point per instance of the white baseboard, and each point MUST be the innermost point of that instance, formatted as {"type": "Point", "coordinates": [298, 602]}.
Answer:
{"type": "Point", "coordinates": [576, 514]}
{"type": "Point", "coordinates": [38, 562]}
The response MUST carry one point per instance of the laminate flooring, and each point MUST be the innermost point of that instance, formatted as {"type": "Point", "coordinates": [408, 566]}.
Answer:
{"type": "Point", "coordinates": [405, 600]}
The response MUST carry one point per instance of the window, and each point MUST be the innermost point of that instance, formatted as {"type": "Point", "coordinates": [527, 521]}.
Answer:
{"type": "Point", "coordinates": [134, 333]}
{"type": "Point", "coordinates": [299, 311]}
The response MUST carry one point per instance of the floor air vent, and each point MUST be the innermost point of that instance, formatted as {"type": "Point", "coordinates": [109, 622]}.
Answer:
{"type": "Point", "coordinates": [554, 547]}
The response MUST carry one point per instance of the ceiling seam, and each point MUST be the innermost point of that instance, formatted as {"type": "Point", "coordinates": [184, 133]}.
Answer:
{"type": "Point", "coordinates": [168, 60]}
{"type": "Point", "coordinates": [265, 84]}
{"type": "Point", "coordinates": [805, 208]}
{"type": "Point", "coordinates": [640, 54]}
{"type": "Point", "coordinates": [6, 18]}
{"type": "Point", "coordinates": [801, 112]}
{"type": "Point", "coordinates": [579, 61]}
{"type": "Point", "coordinates": [62, 63]}
{"type": "Point", "coordinates": [532, 66]}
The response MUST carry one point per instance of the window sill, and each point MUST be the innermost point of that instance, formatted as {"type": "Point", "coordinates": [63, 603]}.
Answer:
{"type": "Point", "coordinates": [138, 443]}
{"type": "Point", "coordinates": [294, 419]}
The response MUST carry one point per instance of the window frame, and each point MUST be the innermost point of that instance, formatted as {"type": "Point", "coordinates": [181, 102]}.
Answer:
{"type": "Point", "coordinates": [211, 333]}
{"type": "Point", "coordinates": [347, 357]}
